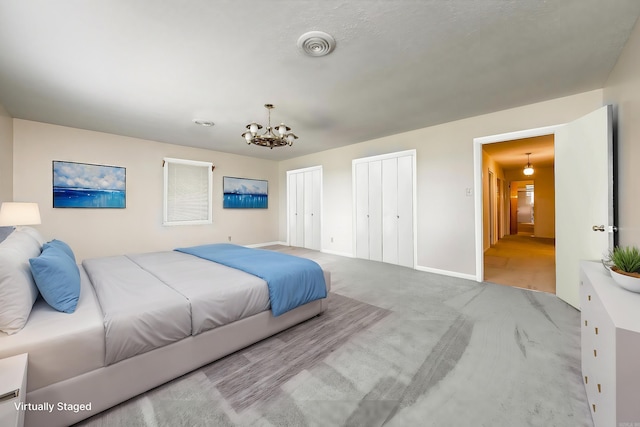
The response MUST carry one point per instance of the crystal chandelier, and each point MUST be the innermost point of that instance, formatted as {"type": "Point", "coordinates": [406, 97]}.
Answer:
{"type": "Point", "coordinates": [269, 138]}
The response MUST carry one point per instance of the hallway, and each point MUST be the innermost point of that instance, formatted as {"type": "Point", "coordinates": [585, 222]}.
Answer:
{"type": "Point", "coordinates": [522, 261]}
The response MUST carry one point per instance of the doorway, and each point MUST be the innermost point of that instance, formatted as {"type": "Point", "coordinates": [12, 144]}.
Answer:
{"type": "Point", "coordinates": [522, 253]}
{"type": "Point", "coordinates": [584, 225]}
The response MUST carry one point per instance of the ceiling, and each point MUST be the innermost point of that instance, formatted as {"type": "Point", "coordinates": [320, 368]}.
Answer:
{"type": "Point", "coordinates": [512, 155]}
{"type": "Point", "coordinates": [147, 69]}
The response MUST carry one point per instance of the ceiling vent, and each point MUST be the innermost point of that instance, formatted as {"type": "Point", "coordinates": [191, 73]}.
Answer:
{"type": "Point", "coordinates": [316, 43]}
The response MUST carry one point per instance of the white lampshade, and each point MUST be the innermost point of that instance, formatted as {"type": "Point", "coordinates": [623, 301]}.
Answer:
{"type": "Point", "coordinates": [15, 213]}
{"type": "Point", "coordinates": [528, 170]}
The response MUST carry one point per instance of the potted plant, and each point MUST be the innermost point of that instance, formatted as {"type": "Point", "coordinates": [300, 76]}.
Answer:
{"type": "Point", "coordinates": [625, 270]}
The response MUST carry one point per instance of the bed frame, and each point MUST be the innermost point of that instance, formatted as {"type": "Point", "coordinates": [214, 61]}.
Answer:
{"type": "Point", "coordinates": [110, 385]}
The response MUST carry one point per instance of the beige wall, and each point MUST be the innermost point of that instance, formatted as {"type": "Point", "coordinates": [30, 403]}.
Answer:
{"type": "Point", "coordinates": [6, 156]}
{"type": "Point", "coordinates": [545, 202]}
{"type": "Point", "coordinates": [446, 226]}
{"type": "Point", "coordinates": [138, 228]}
{"type": "Point", "coordinates": [489, 165]}
{"type": "Point", "coordinates": [623, 91]}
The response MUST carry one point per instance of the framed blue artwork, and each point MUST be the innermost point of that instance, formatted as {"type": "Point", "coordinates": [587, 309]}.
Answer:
{"type": "Point", "coordinates": [83, 185]}
{"type": "Point", "coordinates": [243, 193]}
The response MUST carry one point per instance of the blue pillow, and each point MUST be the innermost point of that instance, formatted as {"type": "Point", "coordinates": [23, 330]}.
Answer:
{"type": "Point", "coordinates": [61, 245]}
{"type": "Point", "coordinates": [58, 278]}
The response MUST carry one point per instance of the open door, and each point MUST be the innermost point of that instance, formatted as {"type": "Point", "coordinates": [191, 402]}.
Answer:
{"type": "Point", "coordinates": [584, 197]}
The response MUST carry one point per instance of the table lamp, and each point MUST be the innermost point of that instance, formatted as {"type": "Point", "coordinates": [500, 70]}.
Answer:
{"type": "Point", "coordinates": [17, 214]}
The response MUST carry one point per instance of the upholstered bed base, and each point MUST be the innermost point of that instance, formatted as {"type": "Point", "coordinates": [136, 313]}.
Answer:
{"type": "Point", "coordinates": [106, 387]}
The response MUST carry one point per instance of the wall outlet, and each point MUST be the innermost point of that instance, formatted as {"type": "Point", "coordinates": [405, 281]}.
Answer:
{"type": "Point", "coordinates": [229, 238]}
{"type": "Point", "coordinates": [332, 240]}
{"type": "Point", "coordinates": [469, 192]}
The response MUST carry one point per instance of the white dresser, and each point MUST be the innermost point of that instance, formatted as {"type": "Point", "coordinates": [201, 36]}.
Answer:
{"type": "Point", "coordinates": [13, 390]}
{"type": "Point", "coordinates": [610, 323]}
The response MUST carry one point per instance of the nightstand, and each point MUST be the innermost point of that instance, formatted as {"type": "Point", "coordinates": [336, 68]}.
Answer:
{"type": "Point", "coordinates": [13, 390]}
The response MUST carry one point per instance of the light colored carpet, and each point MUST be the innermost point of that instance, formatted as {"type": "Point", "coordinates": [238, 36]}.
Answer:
{"type": "Point", "coordinates": [397, 347]}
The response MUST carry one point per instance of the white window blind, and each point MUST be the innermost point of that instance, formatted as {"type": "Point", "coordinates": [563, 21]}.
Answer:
{"type": "Point", "coordinates": [187, 192]}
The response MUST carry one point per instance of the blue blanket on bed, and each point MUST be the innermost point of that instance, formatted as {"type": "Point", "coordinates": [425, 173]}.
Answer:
{"type": "Point", "coordinates": [292, 281]}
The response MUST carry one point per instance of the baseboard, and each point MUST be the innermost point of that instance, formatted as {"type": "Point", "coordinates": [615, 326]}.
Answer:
{"type": "Point", "coordinates": [447, 273]}
{"type": "Point", "coordinates": [344, 254]}
{"type": "Point", "coordinates": [260, 245]}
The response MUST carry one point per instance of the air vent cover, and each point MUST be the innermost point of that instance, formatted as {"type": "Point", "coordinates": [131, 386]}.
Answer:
{"type": "Point", "coordinates": [316, 43]}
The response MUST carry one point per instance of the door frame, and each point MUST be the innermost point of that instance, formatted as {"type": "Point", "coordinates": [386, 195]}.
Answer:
{"type": "Point", "coordinates": [477, 181]}
{"type": "Point", "coordinates": [296, 171]}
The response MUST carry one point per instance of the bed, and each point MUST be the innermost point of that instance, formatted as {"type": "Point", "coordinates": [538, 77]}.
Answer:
{"type": "Point", "coordinates": [142, 320]}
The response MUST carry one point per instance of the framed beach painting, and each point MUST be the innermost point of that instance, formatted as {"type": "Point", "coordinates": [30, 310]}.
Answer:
{"type": "Point", "coordinates": [83, 185]}
{"type": "Point", "coordinates": [243, 193]}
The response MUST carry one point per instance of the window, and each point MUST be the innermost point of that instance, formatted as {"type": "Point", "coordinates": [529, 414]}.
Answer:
{"type": "Point", "coordinates": [187, 192]}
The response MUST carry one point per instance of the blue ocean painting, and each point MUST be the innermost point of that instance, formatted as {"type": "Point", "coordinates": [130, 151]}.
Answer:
{"type": "Point", "coordinates": [82, 185]}
{"type": "Point", "coordinates": [243, 193]}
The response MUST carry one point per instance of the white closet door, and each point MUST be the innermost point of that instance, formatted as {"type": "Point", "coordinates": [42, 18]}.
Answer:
{"type": "Point", "coordinates": [308, 209]}
{"type": "Point", "coordinates": [375, 210]}
{"type": "Point", "coordinates": [362, 210]}
{"type": "Point", "coordinates": [316, 208]}
{"type": "Point", "coordinates": [293, 227]}
{"type": "Point", "coordinates": [390, 210]}
{"type": "Point", "coordinates": [300, 208]}
{"type": "Point", "coordinates": [405, 211]}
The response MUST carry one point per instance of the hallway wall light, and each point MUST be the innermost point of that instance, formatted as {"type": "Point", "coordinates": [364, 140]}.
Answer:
{"type": "Point", "coordinates": [528, 169]}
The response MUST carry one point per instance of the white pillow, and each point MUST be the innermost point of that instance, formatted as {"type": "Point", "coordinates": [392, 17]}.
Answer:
{"type": "Point", "coordinates": [33, 233]}
{"type": "Point", "coordinates": [18, 290]}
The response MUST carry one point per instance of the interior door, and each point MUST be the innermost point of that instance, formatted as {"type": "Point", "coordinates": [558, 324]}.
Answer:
{"type": "Point", "coordinates": [293, 226]}
{"type": "Point", "coordinates": [362, 210]}
{"type": "Point", "coordinates": [405, 211]}
{"type": "Point", "coordinates": [308, 209]}
{"type": "Point", "coordinates": [299, 209]}
{"type": "Point", "coordinates": [375, 210]}
{"type": "Point", "coordinates": [584, 197]}
{"type": "Point", "coordinates": [316, 187]}
{"type": "Point", "coordinates": [390, 210]}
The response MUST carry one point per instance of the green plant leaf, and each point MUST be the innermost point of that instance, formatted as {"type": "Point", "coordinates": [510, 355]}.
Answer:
{"type": "Point", "coordinates": [626, 258]}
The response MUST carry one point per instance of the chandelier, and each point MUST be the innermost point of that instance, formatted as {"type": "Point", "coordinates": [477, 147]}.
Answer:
{"type": "Point", "coordinates": [528, 169]}
{"type": "Point", "coordinates": [269, 138]}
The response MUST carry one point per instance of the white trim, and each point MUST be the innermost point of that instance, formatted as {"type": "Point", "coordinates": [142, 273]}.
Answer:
{"type": "Point", "coordinates": [477, 181]}
{"type": "Point", "coordinates": [446, 273]}
{"type": "Point", "coordinates": [296, 171]}
{"type": "Point", "coordinates": [354, 162]}
{"type": "Point", "coordinates": [384, 156]}
{"type": "Point", "coordinates": [197, 163]}
{"type": "Point", "coordinates": [260, 245]}
{"type": "Point", "coordinates": [344, 254]}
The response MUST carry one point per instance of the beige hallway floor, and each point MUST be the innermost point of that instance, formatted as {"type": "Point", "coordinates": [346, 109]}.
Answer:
{"type": "Point", "coordinates": [522, 261]}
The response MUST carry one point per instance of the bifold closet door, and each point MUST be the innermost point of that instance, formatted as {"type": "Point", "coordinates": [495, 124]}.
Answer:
{"type": "Point", "coordinates": [405, 211]}
{"type": "Point", "coordinates": [390, 210]}
{"type": "Point", "coordinates": [305, 208]}
{"type": "Point", "coordinates": [296, 210]}
{"type": "Point", "coordinates": [293, 210]}
{"type": "Point", "coordinates": [312, 209]}
{"type": "Point", "coordinates": [384, 210]}
{"type": "Point", "coordinates": [362, 210]}
{"type": "Point", "coordinates": [397, 211]}
{"type": "Point", "coordinates": [375, 211]}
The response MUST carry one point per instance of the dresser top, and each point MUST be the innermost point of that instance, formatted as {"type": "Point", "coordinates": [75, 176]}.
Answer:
{"type": "Point", "coordinates": [623, 306]}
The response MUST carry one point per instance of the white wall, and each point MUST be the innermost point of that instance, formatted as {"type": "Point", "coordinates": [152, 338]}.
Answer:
{"type": "Point", "coordinates": [446, 235]}
{"type": "Point", "coordinates": [6, 156]}
{"type": "Point", "coordinates": [623, 91]}
{"type": "Point", "coordinates": [138, 228]}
